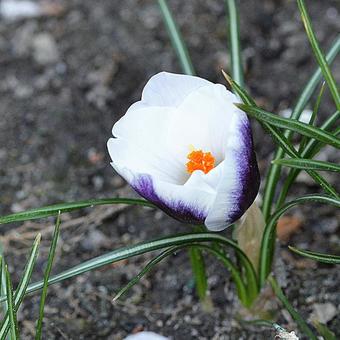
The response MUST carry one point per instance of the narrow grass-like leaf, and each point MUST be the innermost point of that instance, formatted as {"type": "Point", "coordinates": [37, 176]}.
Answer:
{"type": "Point", "coordinates": [46, 277]}
{"type": "Point", "coordinates": [318, 54]}
{"type": "Point", "coordinates": [291, 124]}
{"type": "Point", "coordinates": [11, 307]}
{"type": "Point", "coordinates": [240, 286]}
{"type": "Point", "coordinates": [307, 164]}
{"type": "Point", "coordinates": [312, 119]}
{"type": "Point", "coordinates": [198, 269]}
{"type": "Point", "coordinates": [269, 235]}
{"type": "Point", "coordinates": [234, 37]}
{"type": "Point", "coordinates": [294, 314]}
{"type": "Point", "coordinates": [323, 330]}
{"type": "Point", "coordinates": [144, 247]}
{"type": "Point", "coordinates": [52, 210]}
{"type": "Point", "coordinates": [274, 170]}
{"type": "Point", "coordinates": [279, 138]}
{"type": "Point", "coordinates": [3, 290]}
{"type": "Point", "coordinates": [311, 149]}
{"type": "Point", "coordinates": [324, 258]}
{"type": "Point", "coordinates": [146, 270]}
{"type": "Point", "coordinates": [176, 38]}
{"type": "Point", "coordinates": [22, 286]}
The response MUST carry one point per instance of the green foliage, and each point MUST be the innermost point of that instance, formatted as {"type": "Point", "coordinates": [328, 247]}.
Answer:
{"type": "Point", "coordinates": [318, 54]}
{"type": "Point", "coordinates": [295, 315]}
{"type": "Point", "coordinates": [291, 124]}
{"type": "Point", "coordinates": [325, 258]}
{"type": "Point", "coordinates": [305, 96]}
{"type": "Point", "coordinates": [269, 235]}
{"type": "Point", "coordinates": [176, 38]}
{"type": "Point", "coordinates": [53, 210]}
{"type": "Point", "coordinates": [46, 277]}
{"type": "Point", "coordinates": [22, 286]}
{"type": "Point", "coordinates": [308, 164]}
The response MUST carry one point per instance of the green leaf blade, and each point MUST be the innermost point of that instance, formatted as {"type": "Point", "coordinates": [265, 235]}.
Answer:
{"type": "Point", "coordinates": [307, 164]}
{"type": "Point", "coordinates": [295, 315]}
{"type": "Point", "coordinates": [53, 210]}
{"type": "Point", "coordinates": [318, 54]}
{"type": "Point", "coordinates": [46, 277]}
{"type": "Point", "coordinates": [11, 307]}
{"type": "Point", "coordinates": [176, 38]}
{"type": "Point", "coordinates": [324, 258]}
{"type": "Point", "coordinates": [22, 286]}
{"type": "Point", "coordinates": [291, 124]}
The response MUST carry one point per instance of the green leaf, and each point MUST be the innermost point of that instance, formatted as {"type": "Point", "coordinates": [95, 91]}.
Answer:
{"type": "Point", "coordinates": [280, 139]}
{"type": "Point", "coordinates": [323, 330]}
{"type": "Point", "coordinates": [3, 289]}
{"type": "Point", "coordinates": [52, 210]}
{"type": "Point", "coordinates": [198, 269]}
{"type": "Point", "coordinates": [240, 286]}
{"type": "Point", "coordinates": [318, 54]}
{"type": "Point", "coordinates": [22, 286]}
{"type": "Point", "coordinates": [313, 116]}
{"type": "Point", "coordinates": [47, 273]}
{"type": "Point", "coordinates": [291, 124]}
{"type": "Point", "coordinates": [176, 38]}
{"type": "Point", "coordinates": [269, 235]}
{"type": "Point", "coordinates": [307, 164]}
{"type": "Point", "coordinates": [144, 247]}
{"type": "Point", "coordinates": [273, 175]}
{"type": "Point", "coordinates": [11, 308]}
{"type": "Point", "coordinates": [294, 314]}
{"type": "Point", "coordinates": [310, 150]}
{"type": "Point", "coordinates": [235, 46]}
{"type": "Point", "coordinates": [146, 270]}
{"type": "Point", "coordinates": [324, 258]}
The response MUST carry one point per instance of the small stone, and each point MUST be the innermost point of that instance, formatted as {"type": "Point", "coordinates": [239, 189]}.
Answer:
{"type": "Point", "coordinates": [94, 240]}
{"type": "Point", "coordinates": [323, 312]}
{"type": "Point", "coordinates": [45, 50]}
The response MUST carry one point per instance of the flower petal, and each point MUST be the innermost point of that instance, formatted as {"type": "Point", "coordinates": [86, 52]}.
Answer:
{"type": "Point", "coordinates": [203, 121]}
{"type": "Point", "coordinates": [170, 89]}
{"type": "Point", "coordinates": [188, 204]}
{"type": "Point", "coordinates": [141, 160]}
{"type": "Point", "coordinates": [240, 179]}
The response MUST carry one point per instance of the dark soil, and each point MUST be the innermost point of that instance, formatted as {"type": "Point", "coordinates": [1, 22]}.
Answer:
{"type": "Point", "coordinates": [57, 111]}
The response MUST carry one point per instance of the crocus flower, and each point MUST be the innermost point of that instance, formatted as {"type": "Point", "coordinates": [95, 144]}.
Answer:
{"type": "Point", "coordinates": [188, 149]}
{"type": "Point", "coordinates": [146, 336]}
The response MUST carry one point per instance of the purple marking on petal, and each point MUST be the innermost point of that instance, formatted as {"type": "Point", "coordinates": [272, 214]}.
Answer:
{"type": "Point", "coordinates": [248, 175]}
{"type": "Point", "coordinates": [179, 210]}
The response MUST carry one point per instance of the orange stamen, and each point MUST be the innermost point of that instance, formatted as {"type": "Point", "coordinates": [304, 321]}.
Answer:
{"type": "Point", "coordinates": [199, 160]}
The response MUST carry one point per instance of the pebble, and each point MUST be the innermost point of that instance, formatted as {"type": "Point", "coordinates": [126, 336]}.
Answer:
{"type": "Point", "coordinates": [323, 312]}
{"type": "Point", "coordinates": [45, 50]}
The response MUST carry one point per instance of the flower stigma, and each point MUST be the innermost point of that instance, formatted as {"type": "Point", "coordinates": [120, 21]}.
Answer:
{"type": "Point", "coordinates": [199, 160]}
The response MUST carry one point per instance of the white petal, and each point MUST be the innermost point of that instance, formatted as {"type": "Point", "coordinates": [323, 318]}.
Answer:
{"type": "Point", "coordinates": [239, 181]}
{"type": "Point", "coordinates": [203, 121]}
{"type": "Point", "coordinates": [141, 160]}
{"type": "Point", "coordinates": [170, 89]}
{"type": "Point", "coordinates": [189, 203]}
{"type": "Point", "coordinates": [145, 336]}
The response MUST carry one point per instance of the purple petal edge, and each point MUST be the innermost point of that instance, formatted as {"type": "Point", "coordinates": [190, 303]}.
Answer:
{"type": "Point", "coordinates": [143, 185]}
{"type": "Point", "coordinates": [248, 174]}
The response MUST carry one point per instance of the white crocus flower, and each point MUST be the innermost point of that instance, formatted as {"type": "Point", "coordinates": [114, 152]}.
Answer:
{"type": "Point", "coordinates": [146, 336]}
{"type": "Point", "coordinates": [188, 149]}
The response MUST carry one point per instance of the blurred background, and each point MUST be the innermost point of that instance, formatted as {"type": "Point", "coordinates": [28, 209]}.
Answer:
{"type": "Point", "coordinates": [68, 71]}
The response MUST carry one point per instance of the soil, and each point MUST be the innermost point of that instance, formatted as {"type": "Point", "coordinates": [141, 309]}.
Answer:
{"type": "Point", "coordinates": [65, 79]}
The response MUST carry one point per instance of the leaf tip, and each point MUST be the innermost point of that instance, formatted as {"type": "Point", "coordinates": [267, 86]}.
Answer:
{"type": "Point", "coordinates": [227, 77]}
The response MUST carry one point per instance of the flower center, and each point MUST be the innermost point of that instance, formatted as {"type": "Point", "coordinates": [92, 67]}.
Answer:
{"type": "Point", "coordinates": [199, 160]}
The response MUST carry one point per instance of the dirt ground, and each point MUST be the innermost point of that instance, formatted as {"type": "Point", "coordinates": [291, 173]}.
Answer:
{"type": "Point", "coordinates": [65, 79]}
